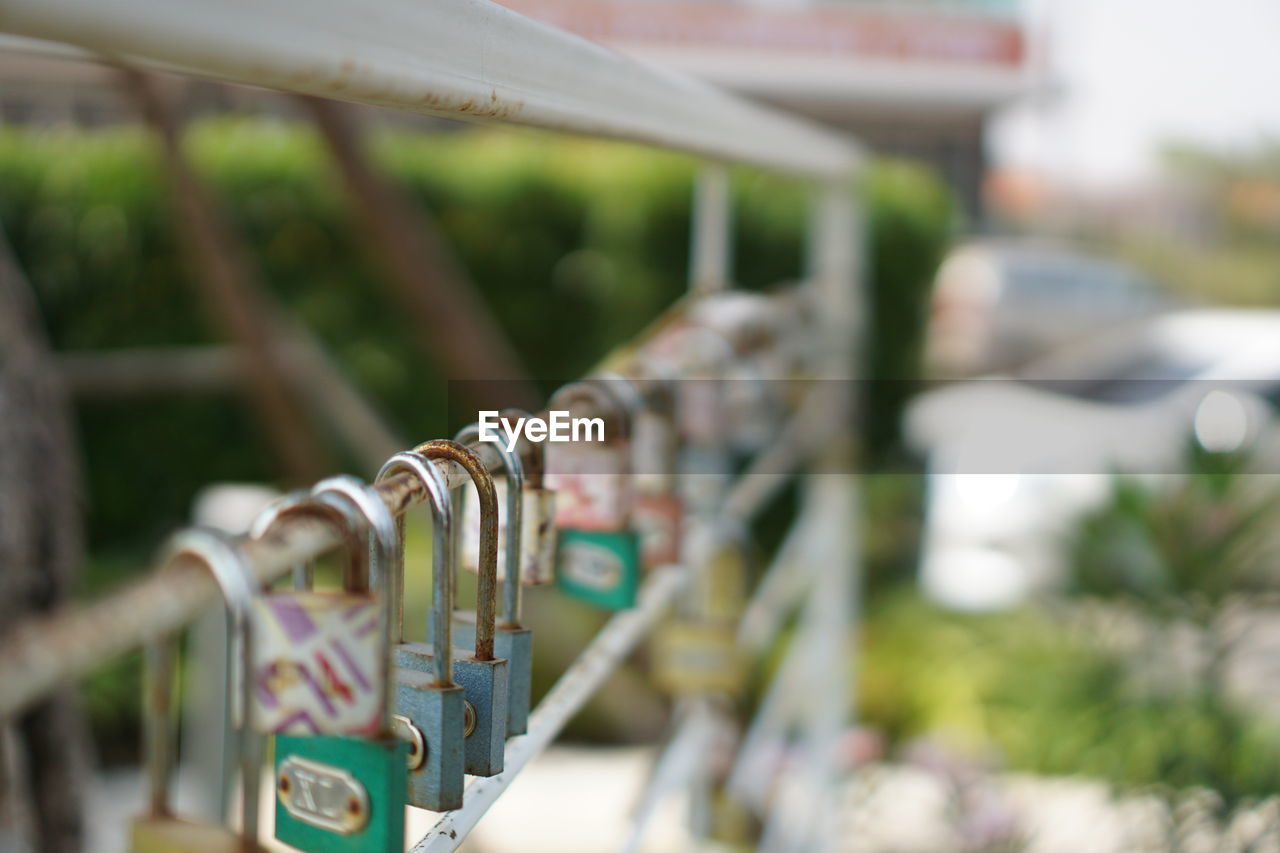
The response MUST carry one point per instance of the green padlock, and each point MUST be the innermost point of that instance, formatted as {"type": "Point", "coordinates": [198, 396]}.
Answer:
{"type": "Point", "coordinates": [432, 709]}
{"type": "Point", "coordinates": [511, 639]}
{"type": "Point", "coordinates": [347, 793]}
{"type": "Point", "coordinates": [484, 676]}
{"type": "Point", "coordinates": [598, 550]}
{"type": "Point", "coordinates": [160, 831]}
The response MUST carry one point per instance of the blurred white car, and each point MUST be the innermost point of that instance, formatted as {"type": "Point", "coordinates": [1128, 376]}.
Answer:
{"type": "Point", "coordinates": [1013, 461]}
{"type": "Point", "coordinates": [998, 304]}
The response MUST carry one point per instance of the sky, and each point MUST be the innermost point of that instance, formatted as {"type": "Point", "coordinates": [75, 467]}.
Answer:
{"type": "Point", "coordinates": [1132, 74]}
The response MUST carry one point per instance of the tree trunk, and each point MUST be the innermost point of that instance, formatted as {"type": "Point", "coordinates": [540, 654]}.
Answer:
{"type": "Point", "coordinates": [41, 550]}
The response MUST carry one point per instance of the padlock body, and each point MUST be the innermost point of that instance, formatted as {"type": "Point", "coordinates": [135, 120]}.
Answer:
{"type": "Point", "coordinates": [486, 685]}
{"type": "Point", "coordinates": [337, 794]}
{"type": "Point", "coordinates": [732, 822]}
{"type": "Point", "coordinates": [696, 657]}
{"type": "Point", "coordinates": [590, 486]}
{"type": "Point", "coordinates": [178, 835]}
{"type": "Point", "coordinates": [657, 518]}
{"type": "Point", "coordinates": [537, 537]}
{"type": "Point", "coordinates": [723, 590]}
{"type": "Point", "coordinates": [316, 662]}
{"type": "Point", "coordinates": [439, 714]}
{"type": "Point", "coordinates": [516, 646]}
{"type": "Point", "coordinates": [706, 472]}
{"type": "Point", "coordinates": [600, 567]}
{"type": "Point", "coordinates": [539, 543]}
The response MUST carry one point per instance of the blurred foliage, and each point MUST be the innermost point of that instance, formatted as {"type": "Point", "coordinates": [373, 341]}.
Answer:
{"type": "Point", "coordinates": [1240, 187]}
{"type": "Point", "coordinates": [906, 206]}
{"type": "Point", "coordinates": [1040, 691]}
{"type": "Point", "coordinates": [1180, 548]}
{"type": "Point", "coordinates": [1125, 680]}
{"type": "Point", "coordinates": [576, 245]}
{"type": "Point", "coordinates": [1236, 275]}
{"type": "Point", "coordinates": [892, 528]}
{"type": "Point", "coordinates": [1225, 242]}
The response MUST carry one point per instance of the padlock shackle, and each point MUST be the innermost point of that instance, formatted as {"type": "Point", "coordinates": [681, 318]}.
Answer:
{"type": "Point", "coordinates": [706, 340]}
{"type": "Point", "coordinates": [217, 552]}
{"type": "Point", "coordinates": [442, 557]}
{"type": "Point", "coordinates": [534, 453]}
{"type": "Point", "coordinates": [713, 354]}
{"type": "Point", "coordinates": [365, 508]}
{"type": "Point", "coordinates": [514, 471]}
{"type": "Point", "coordinates": [487, 589]}
{"type": "Point", "coordinates": [607, 401]}
{"type": "Point", "coordinates": [659, 399]}
{"type": "Point", "coordinates": [635, 403]}
{"type": "Point", "coordinates": [599, 400]}
{"type": "Point", "coordinates": [302, 503]}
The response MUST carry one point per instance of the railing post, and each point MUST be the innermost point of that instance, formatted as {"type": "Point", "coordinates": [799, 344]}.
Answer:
{"type": "Point", "coordinates": [711, 230]}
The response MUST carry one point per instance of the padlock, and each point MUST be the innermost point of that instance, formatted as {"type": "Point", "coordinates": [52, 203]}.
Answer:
{"type": "Point", "coordinates": [511, 639]}
{"type": "Point", "coordinates": [706, 470]}
{"type": "Point", "coordinates": [755, 406]}
{"type": "Point", "coordinates": [697, 651]}
{"type": "Point", "coordinates": [316, 657]}
{"type": "Point", "coordinates": [340, 792]}
{"type": "Point", "coordinates": [161, 831]}
{"type": "Point", "coordinates": [432, 709]}
{"type": "Point", "coordinates": [537, 517]}
{"type": "Point", "coordinates": [484, 677]}
{"type": "Point", "coordinates": [658, 512]}
{"type": "Point", "coordinates": [598, 551]}
{"type": "Point", "coordinates": [726, 555]}
{"type": "Point", "coordinates": [589, 476]}
{"type": "Point", "coordinates": [730, 821]}
{"type": "Point", "coordinates": [702, 356]}
{"type": "Point", "coordinates": [705, 461]}
{"type": "Point", "coordinates": [697, 657]}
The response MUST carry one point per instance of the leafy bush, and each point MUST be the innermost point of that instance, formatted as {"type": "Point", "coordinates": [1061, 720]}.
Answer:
{"type": "Point", "coordinates": [1041, 692]}
{"type": "Point", "coordinates": [1125, 681]}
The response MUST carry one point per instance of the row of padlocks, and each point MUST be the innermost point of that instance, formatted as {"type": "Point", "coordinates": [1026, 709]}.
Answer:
{"type": "Point", "coordinates": [362, 722]}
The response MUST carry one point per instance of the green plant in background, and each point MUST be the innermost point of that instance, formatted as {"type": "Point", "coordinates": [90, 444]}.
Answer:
{"type": "Point", "coordinates": [1124, 681]}
{"type": "Point", "coordinates": [1181, 548]}
{"type": "Point", "coordinates": [576, 245]}
{"type": "Point", "coordinates": [908, 208]}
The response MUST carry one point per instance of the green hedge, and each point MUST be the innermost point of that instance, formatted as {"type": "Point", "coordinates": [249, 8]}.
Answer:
{"type": "Point", "coordinates": [575, 244]}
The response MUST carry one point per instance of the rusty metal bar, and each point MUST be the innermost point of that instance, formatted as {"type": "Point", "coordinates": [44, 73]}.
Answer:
{"type": "Point", "coordinates": [457, 329]}
{"type": "Point", "coordinates": [222, 270]}
{"type": "Point", "coordinates": [37, 656]}
{"type": "Point", "coordinates": [114, 374]}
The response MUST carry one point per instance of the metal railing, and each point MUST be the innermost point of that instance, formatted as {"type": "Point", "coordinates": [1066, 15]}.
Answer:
{"type": "Point", "coordinates": [472, 59]}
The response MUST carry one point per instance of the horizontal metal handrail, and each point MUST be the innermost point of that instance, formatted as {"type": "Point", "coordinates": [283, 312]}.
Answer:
{"type": "Point", "coordinates": [469, 59]}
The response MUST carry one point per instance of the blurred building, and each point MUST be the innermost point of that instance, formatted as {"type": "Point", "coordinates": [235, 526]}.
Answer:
{"type": "Point", "coordinates": [917, 78]}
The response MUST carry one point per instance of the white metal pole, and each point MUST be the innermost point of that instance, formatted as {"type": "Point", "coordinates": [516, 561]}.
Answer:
{"type": "Point", "coordinates": [711, 231]}
{"type": "Point", "coordinates": [466, 59]}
